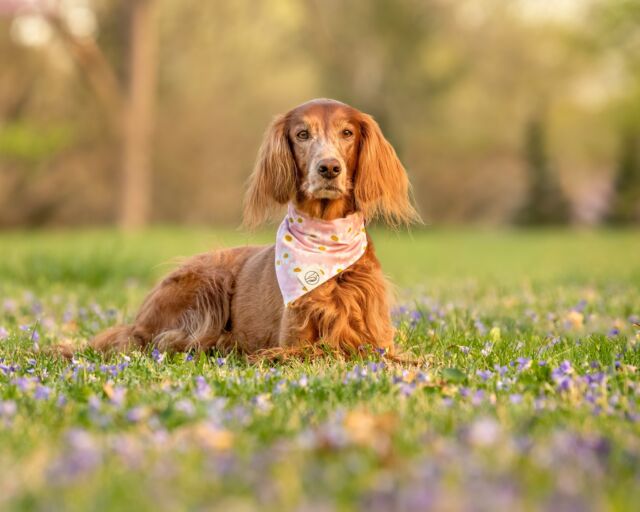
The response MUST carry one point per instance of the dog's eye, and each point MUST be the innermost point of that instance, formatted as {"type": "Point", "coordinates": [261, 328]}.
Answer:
{"type": "Point", "coordinates": [303, 134]}
{"type": "Point", "coordinates": [347, 133]}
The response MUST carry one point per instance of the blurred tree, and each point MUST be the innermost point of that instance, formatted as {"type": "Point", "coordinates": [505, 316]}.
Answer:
{"type": "Point", "coordinates": [626, 199]}
{"type": "Point", "coordinates": [128, 109]}
{"type": "Point", "coordinates": [545, 202]}
{"type": "Point", "coordinates": [138, 115]}
{"type": "Point", "coordinates": [617, 38]}
{"type": "Point", "coordinates": [447, 80]}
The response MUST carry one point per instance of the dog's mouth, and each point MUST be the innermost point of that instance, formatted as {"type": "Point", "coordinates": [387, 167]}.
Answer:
{"type": "Point", "coordinates": [328, 192]}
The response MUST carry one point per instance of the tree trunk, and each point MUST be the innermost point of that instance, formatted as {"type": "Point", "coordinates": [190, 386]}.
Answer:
{"type": "Point", "coordinates": [135, 209]}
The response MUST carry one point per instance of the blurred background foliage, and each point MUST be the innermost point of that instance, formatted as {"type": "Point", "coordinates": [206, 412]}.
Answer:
{"type": "Point", "coordinates": [503, 111]}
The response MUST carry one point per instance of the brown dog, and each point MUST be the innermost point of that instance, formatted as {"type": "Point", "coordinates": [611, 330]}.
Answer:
{"type": "Point", "coordinates": [329, 160]}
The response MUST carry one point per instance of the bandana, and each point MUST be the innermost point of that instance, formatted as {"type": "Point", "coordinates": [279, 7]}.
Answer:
{"type": "Point", "coordinates": [310, 251]}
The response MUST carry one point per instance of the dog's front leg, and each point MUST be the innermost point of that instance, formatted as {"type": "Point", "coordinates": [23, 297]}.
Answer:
{"type": "Point", "coordinates": [296, 328]}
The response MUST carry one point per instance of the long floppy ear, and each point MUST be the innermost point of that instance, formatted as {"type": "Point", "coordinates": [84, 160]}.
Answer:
{"type": "Point", "coordinates": [381, 185]}
{"type": "Point", "coordinates": [273, 180]}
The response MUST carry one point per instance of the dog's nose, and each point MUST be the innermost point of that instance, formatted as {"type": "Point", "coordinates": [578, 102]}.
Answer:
{"type": "Point", "coordinates": [329, 168]}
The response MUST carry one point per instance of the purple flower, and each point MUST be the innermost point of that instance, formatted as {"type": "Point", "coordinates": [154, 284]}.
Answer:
{"type": "Point", "coordinates": [136, 414]}
{"type": "Point", "coordinates": [42, 392]}
{"type": "Point", "coordinates": [515, 398]}
{"type": "Point", "coordinates": [579, 307]}
{"type": "Point", "coordinates": [478, 397]}
{"type": "Point", "coordinates": [203, 390]}
{"type": "Point", "coordinates": [24, 383]}
{"type": "Point", "coordinates": [480, 327]}
{"type": "Point", "coordinates": [407, 389]}
{"type": "Point", "coordinates": [502, 370]}
{"type": "Point", "coordinates": [118, 396]}
{"type": "Point", "coordinates": [4, 334]}
{"type": "Point", "coordinates": [186, 407]}
{"type": "Point", "coordinates": [220, 361]}
{"type": "Point", "coordinates": [81, 456]}
{"type": "Point", "coordinates": [8, 408]}
{"type": "Point", "coordinates": [523, 363]}
{"type": "Point", "coordinates": [562, 375]}
{"type": "Point", "coordinates": [484, 374]}
{"type": "Point", "coordinates": [157, 356]}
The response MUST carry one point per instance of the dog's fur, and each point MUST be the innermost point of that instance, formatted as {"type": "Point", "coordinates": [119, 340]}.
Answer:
{"type": "Point", "coordinates": [230, 299]}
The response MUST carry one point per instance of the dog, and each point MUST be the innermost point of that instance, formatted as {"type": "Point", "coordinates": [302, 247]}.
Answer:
{"type": "Point", "coordinates": [320, 283]}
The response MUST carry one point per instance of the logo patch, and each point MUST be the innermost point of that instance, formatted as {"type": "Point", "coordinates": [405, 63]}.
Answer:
{"type": "Point", "coordinates": [311, 277]}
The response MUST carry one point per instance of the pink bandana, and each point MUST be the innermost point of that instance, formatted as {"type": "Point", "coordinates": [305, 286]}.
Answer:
{"type": "Point", "coordinates": [310, 251]}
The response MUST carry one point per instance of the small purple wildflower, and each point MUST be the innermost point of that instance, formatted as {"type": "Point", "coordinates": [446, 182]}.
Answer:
{"type": "Point", "coordinates": [562, 375]}
{"type": "Point", "coordinates": [203, 390]}
{"type": "Point", "coordinates": [186, 407]}
{"type": "Point", "coordinates": [523, 363]}
{"type": "Point", "coordinates": [136, 414]}
{"type": "Point", "coordinates": [501, 370]}
{"type": "Point", "coordinates": [157, 356]}
{"type": "Point", "coordinates": [579, 307]}
{"type": "Point", "coordinates": [42, 392]}
{"type": "Point", "coordinates": [484, 374]}
{"type": "Point", "coordinates": [8, 408]}
{"type": "Point", "coordinates": [407, 389]}
{"type": "Point", "coordinates": [478, 397]}
{"type": "Point", "coordinates": [118, 396]}
{"type": "Point", "coordinates": [480, 327]}
{"type": "Point", "coordinates": [4, 334]}
{"type": "Point", "coordinates": [515, 398]}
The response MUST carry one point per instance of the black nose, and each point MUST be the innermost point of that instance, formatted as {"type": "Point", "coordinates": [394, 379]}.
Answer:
{"type": "Point", "coordinates": [329, 168]}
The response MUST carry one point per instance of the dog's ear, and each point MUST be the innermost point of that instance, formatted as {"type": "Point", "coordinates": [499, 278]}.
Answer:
{"type": "Point", "coordinates": [273, 180]}
{"type": "Point", "coordinates": [381, 185]}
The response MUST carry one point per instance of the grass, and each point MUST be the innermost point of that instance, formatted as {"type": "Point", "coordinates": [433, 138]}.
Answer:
{"type": "Point", "coordinates": [528, 399]}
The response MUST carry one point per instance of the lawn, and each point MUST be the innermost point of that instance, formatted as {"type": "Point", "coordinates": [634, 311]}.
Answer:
{"type": "Point", "coordinates": [527, 397]}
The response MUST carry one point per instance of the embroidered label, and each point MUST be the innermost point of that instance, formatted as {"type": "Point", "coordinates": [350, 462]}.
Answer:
{"type": "Point", "coordinates": [310, 276]}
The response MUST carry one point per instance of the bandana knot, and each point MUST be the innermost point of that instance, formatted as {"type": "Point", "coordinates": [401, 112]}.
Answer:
{"type": "Point", "coordinates": [311, 251]}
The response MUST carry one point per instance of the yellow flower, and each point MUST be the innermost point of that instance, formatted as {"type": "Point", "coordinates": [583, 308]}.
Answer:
{"type": "Point", "coordinates": [575, 319]}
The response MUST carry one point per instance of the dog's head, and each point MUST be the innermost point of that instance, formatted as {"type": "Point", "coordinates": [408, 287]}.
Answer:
{"type": "Point", "coordinates": [330, 160]}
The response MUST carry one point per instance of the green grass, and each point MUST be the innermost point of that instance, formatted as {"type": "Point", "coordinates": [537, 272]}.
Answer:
{"type": "Point", "coordinates": [528, 397]}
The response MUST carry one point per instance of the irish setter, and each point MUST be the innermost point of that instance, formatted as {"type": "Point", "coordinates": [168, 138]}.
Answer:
{"type": "Point", "coordinates": [328, 161]}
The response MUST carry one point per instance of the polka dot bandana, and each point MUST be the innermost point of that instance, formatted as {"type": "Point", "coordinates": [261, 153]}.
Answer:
{"type": "Point", "coordinates": [311, 251]}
